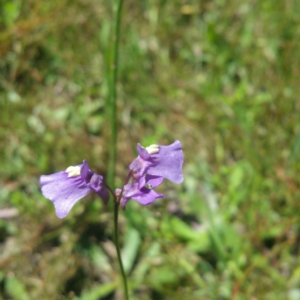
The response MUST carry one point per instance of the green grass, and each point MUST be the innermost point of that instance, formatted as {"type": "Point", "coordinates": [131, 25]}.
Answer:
{"type": "Point", "coordinates": [220, 76]}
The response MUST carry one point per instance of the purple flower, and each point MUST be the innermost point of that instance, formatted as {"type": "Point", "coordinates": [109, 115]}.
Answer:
{"type": "Point", "coordinates": [149, 169]}
{"type": "Point", "coordinates": [67, 187]}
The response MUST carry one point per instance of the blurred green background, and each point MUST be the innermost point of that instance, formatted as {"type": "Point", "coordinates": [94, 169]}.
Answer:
{"type": "Point", "coordinates": [220, 76]}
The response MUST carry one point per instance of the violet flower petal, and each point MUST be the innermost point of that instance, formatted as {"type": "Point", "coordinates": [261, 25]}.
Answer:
{"type": "Point", "coordinates": [153, 181]}
{"type": "Point", "coordinates": [168, 162]}
{"type": "Point", "coordinates": [147, 196]}
{"type": "Point", "coordinates": [142, 152]}
{"type": "Point", "coordinates": [144, 195]}
{"type": "Point", "coordinates": [65, 188]}
{"type": "Point", "coordinates": [96, 185]}
{"type": "Point", "coordinates": [139, 166]}
{"type": "Point", "coordinates": [150, 180]}
{"type": "Point", "coordinates": [84, 171]}
{"type": "Point", "coordinates": [63, 191]}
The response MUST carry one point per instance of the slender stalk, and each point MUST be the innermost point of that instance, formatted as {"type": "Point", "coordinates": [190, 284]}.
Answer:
{"type": "Point", "coordinates": [113, 72]}
{"type": "Point", "coordinates": [112, 82]}
{"type": "Point", "coordinates": [116, 237]}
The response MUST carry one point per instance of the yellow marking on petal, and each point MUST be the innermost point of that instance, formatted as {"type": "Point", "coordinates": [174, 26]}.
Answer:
{"type": "Point", "coordinates": [73, 171]}
{"type": "Point", "coordinates": [148, 186]}
{"type": "Point", "coordinates": [152, 149]}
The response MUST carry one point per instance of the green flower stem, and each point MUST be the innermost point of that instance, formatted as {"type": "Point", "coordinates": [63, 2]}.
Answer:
{"type": "Point", "coordinates": [116, 237]}
{"type": "Point", "coordinates": [112, 80]}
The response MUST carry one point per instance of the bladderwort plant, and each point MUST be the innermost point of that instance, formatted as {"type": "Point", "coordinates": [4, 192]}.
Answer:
{"type": "Point", "coordinates": [153, 164]}
{"type": "Point", "coordinates": [147, 171]}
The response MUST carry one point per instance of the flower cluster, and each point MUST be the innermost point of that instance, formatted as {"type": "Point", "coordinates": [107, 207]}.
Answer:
{"type": "Point", "coordinates": [147, 171]}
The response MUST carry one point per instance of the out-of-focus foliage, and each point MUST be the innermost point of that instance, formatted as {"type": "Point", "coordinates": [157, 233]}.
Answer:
{"type": "Point", "coordinates": [220, 76]}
